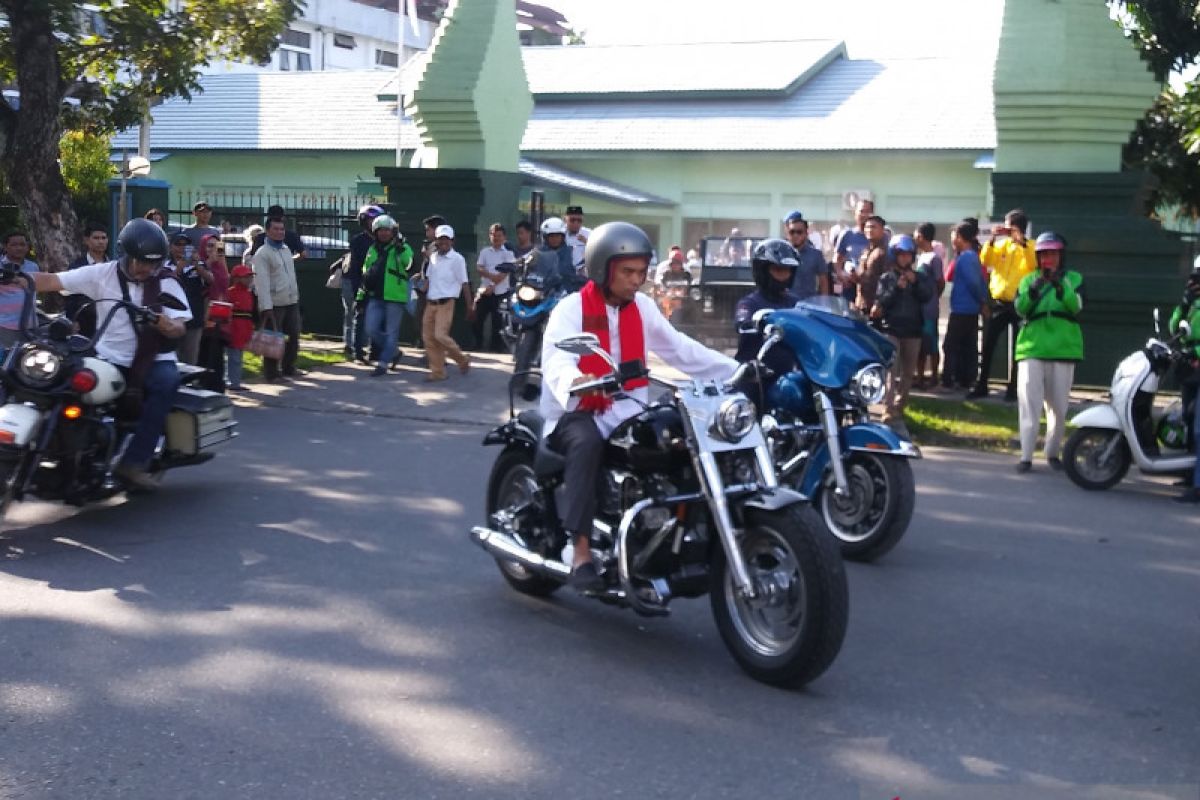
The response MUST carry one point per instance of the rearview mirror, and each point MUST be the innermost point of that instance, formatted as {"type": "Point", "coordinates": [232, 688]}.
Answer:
{"type": "Point", "coordinates": [172, 302]}
{"type": "Point", "coordinates": [583, 344]}
{"type": "Point", "coordinates": [1157, 324]}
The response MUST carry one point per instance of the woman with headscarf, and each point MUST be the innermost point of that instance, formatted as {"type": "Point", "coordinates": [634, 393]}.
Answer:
{"type": "Point", "coordinates": [212, 343]}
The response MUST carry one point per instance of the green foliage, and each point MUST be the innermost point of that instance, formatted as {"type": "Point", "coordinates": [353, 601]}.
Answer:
{"type": "Point", "coordinates": [85, 165]}
{"type": "Point", "coordinates": [1166, 31]}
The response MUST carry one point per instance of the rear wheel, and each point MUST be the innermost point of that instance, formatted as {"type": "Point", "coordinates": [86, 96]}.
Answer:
{"type": "Point", "coordinates": [1096, 458]}
{"type": "Point", "coordinates": [513, 487]}
{"type": "Point", "coordinates": [872, 518]}
{"type": "Point", "coordinates": [793, 629]}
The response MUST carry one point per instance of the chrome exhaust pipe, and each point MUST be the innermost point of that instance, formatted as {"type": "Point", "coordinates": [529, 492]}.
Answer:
{"type": "Point", "coordinates": [506, 548]}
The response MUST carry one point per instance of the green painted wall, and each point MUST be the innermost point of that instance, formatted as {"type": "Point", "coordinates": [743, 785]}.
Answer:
{"type": "Point", "coordinates": [268, 170]}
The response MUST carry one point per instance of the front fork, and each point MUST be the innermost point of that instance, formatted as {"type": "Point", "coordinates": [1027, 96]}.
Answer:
{"type": "Point", "coordinates": [834, 442]}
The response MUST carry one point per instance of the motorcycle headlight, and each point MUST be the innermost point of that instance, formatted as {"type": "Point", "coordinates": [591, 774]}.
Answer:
{"type": "Point", "coordinates": [869, 384]}
{"type": "Point", "coordinates": [735, 418]}
{"type": "Point", "coordinates": [696, 295]}
{"type": "Point", "coordinates": [528, 294]}
{"type": "Point", "coordinates": [38, 366]}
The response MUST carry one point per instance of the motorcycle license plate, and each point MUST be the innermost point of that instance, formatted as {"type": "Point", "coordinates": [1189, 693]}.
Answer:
{"type": "Point", "coordinates": [18, 424]}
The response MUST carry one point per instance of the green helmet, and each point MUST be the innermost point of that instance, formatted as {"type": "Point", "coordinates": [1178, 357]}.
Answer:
{"type": "Point", "coordinates": [383, 221]}
{"type": "Point", "coordinates": [1172, 430]}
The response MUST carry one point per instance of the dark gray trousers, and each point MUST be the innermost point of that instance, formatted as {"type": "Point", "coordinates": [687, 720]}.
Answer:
{"type": "Point", "coordinates": [578, 440]}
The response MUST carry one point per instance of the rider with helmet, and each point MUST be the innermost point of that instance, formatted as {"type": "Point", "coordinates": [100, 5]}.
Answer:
{"type": "Point", "coordinates": [773, 264]}
{"type": "Point", "coordinates": [1049, 345]}
{"type": "Point", "coordinates": [555, 259]}
{"type": "Point", "coordinates": [144, 352]}
{"type": "Point", "coordinates": [629, 326]}
{"type": "Point", "coordinates": [385, 289]}
{"type": "Point", "coordinates": [354, 316]}
{"type": "Point", "coordinates": [1189, 377]}
{"type": "Point", "coordinates": [899, 306]}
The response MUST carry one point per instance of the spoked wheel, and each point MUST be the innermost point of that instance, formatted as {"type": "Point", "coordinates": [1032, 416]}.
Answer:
{"type": "Point", "coordinates": [527, 356]}
{"type": "Point", "coordinates": [791, 631]}
{"type": "Point", "coordinates": [874, 515]}
{"type": "Point", "coordinates": [513, 488]}
{"type": "Point", "coordinates": [10, 476]}
{"type": "Point", "coordinates": [1096, 458]}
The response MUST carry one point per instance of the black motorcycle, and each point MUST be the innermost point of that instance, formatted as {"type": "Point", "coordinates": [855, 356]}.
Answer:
{"type": "Point", "coordinates": [65, 422]}
{"type": "Point", "coordinates": [529, 306]}
{"type": "Point", "coordinates": [690, 506]}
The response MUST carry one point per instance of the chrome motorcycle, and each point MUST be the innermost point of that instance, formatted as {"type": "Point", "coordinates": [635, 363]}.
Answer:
{"type": "Point", "coordinates": [689, 506]}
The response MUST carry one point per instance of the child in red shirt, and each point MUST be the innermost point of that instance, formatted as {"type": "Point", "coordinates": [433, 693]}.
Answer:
{"type": "Point", "coordinates": [241, 327]}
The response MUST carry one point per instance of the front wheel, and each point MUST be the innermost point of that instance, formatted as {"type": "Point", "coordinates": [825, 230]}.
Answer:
{"type": "Point", "coordinates": [872, 518]}
{"type": "Point", "coordinates": [1096, 458]}
{"type": "Point", "coordinates": [792, 630]}
{"type": "Point", "coordinates": [526, 357]}
{"type": "Point", "coordinates": [513, 487]}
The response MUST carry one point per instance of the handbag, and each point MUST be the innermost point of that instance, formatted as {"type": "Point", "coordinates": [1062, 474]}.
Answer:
{"type": "Point", "coordinates": [268, 344]}
{"type": "Point", "coordinates": [336, 270]}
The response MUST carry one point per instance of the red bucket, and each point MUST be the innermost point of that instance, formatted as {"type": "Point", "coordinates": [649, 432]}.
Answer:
{"type": "Point", "coordinates": [221, 312]}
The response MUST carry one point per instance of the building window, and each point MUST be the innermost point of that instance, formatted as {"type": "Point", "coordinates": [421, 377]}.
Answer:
{"type": "Point", "coordinates": [295, 51]}
{"type": "Point", "coordinates": [387, 58]}
{"type": "Point", "coordinates": [296, 38]}
{"type": "Point", "coordinates": [343, 40]}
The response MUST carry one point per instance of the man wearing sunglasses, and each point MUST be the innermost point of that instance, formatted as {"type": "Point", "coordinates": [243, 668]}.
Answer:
{"type": "Point", "coordinates": [812, 276]}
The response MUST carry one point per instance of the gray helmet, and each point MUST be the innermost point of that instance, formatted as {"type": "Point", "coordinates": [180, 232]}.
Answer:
{"type": "Point", "coordinates": [610, 240]}
{"type": "Point", "coordinates": [143, 239]}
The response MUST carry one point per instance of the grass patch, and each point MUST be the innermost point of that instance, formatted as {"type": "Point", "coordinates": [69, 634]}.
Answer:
{"type": "Point", "coordinates": [306, 359]}
{"type": "Point", "coordinates": [961, 423]}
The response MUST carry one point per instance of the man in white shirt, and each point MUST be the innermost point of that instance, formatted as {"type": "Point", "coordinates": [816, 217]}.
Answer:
{"type": "Point", "coordinates": [447, 274]}
{"type": "Point", "coordinates": [577, 236]}
{"type": "Point", "coordinates": [674, 261]}
{"type": "Point", "coordinates": [493, 288]}
{"type": "Point", "coordinates": [145, 354]}
{"type": "Point", "coordinates": [618, 259]}
{"type": "Point", "coordinates": [278, 297]}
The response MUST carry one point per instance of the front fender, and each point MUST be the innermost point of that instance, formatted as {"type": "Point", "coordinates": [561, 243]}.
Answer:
{"type": "Point", "coordinates": [775, 499]}
{"type": "Point", "coordinates": [511, 432]}
{"type": "Point", "coordinates": [866, 437]}
{"type": "Point", "coordinates": [1101, 415]}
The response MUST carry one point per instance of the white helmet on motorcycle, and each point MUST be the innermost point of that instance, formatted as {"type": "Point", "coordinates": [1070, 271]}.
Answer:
{"type": "Point", "coordinates": [554, 225]}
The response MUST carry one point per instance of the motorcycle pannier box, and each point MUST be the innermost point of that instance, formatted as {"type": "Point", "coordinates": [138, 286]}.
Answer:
{"type": "Point", "coordinates": [198, 421]}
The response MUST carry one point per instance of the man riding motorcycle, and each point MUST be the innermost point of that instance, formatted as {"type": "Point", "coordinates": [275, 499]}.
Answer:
{"type": "Point", "coordinates": [774, 263]}
{"type": "Point", "coordinates": [555, 257]}
{"type": "Point", "coordinates": [1189, 309]}
{"type": "Point", "coordinates": [146, 354]}
{"type": "Point", "coordinates": [628, 324]}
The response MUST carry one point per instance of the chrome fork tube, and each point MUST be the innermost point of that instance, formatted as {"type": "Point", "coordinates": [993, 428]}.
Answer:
{"type": "Point", "coordinates": [834, 443]}
{"type": "Point", "coordinates": [716, 497]}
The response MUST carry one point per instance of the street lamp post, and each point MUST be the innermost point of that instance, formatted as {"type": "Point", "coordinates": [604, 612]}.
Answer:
{"type": "Point", "coordinates": [136, 167]}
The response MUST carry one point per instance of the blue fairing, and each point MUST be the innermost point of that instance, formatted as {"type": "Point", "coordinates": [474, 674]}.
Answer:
{"type": "Point", "coordinates": [794, 393]}
{"type": "Point", "coordinates": [528, 314]}
{"type": "Point", "coordinates": [831, 347]}
{"type": "Point", "coordinates": [864, 435]}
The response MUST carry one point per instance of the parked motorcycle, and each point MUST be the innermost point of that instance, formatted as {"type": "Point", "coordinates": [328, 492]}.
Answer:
{"type": "Point", "coordinates": [1128, 429]}
{"type": "Point", "coordinates": [529, 307]}
{"type": "Point", "coordinates": [690, 505]}
{"type": "Point", "coordinates": [816, 418]}
{"type": "Point", "coordinates": [61, 435]}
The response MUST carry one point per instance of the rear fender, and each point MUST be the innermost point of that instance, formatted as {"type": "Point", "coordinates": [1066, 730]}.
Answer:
{"type": "Point", "coordinates": [1101, 415]}
{"type": "Point", "coordinates": [511, 433]}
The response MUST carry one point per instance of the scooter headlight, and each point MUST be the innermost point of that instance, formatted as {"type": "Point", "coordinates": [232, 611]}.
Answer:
{"type": "Point", "coordinates": [869, 384]}
{"type": "Point", "coordinates": [735, 419]}
{"type": "Point", "coordinates": [528, 294]}
{"type": "Point", "coordinates": [38, 366]}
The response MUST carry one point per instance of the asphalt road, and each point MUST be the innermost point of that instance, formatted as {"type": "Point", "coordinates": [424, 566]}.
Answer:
{"type": "Point", "coordinates": [304, 617]}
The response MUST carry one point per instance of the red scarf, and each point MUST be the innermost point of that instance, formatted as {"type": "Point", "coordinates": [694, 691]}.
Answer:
{"type": "Point", "coordinates": [633, 342]}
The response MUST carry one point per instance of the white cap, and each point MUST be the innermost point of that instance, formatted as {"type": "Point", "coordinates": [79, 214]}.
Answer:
{"type": "Point", "coordinates": [443, 230]}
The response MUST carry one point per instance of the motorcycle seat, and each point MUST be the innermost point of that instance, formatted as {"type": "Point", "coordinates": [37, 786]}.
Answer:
{"type": "Point", "coordinates": [546, 462]}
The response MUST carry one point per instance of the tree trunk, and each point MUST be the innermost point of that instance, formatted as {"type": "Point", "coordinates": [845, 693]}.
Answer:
{"type": "Point", "coordinates": [32, 134]}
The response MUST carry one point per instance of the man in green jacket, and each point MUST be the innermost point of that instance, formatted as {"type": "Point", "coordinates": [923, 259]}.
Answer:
{"type": "Point", "coordinates": [1189, 309]}
{"type": "Point", "coordinates": [385, 288]}
{"type": "Point", "coordinates": [1048, 347]}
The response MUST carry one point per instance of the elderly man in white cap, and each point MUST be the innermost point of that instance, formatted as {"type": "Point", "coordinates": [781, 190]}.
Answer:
{"type": "Point", "coordinates": [447, 273]}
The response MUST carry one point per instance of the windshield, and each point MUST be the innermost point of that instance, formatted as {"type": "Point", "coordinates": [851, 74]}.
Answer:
{"type": "Point", "coordinates": [733, 251]}
{"type": "Point", "coordinates": [831, 304]}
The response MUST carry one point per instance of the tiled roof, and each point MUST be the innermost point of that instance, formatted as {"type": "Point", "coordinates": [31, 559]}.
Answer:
{"type": "Point", "coordinates": [589, 184]}
{"type": "Point", "coordinates": [869, 104]}
{"type": "Point", "coordinates": [277, 111]}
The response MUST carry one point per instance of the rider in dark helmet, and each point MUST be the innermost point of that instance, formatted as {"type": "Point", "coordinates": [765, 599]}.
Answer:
{"type": "Point", "coordinates": [773, 265]}
{"type": "Point", "coordinates": [1189, 371]}
{"type": "Point", "coordinates": [144, 352]}
{"type": "Point", "coordinates": [354, 311]}
{"type": "Point", "coordinates": [628, 325]}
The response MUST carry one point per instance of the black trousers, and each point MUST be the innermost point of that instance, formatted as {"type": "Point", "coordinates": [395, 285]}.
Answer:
{"type": "Point", "coordinates": [578, 440]}
{"type": "Point", "coordinates": [287, 322]}
{"type": "Point", "coordinates": [486, 307]}
{"type": "Point", "coordinates": [960, 351]}
{"type": "Point", "coordinates": [1004, 316]}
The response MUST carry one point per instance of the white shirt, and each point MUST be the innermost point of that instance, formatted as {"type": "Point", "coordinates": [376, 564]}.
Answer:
{"type": "Point", "coordinates": [489, 259]}
{"type": "Point", "coordinates": [560, 368]}
{"type": "Point", "coordinates": [100, 282]}
{"type": "Point", "coordinates": [578, 242]}
{"type": "Point", "coordinates": [665, 267]}
{"type": "Point", "coordinates": [446, 273]}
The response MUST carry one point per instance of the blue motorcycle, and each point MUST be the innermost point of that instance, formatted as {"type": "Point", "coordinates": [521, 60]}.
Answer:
{"type": "Point", "coordinates": [528, 309]}
{"type": "Point", "coordinates": [820, 367]}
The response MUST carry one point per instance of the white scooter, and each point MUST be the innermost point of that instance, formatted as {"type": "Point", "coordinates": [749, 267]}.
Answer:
{"type": "Point", "coordinates": [1128, 429]}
